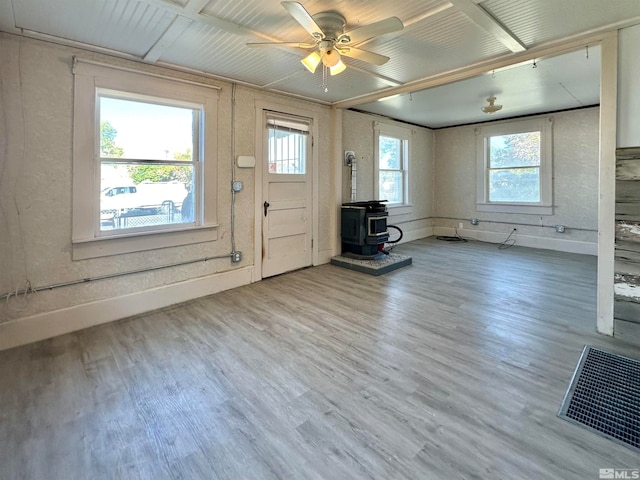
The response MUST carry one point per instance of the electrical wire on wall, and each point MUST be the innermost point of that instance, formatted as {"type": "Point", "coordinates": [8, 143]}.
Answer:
{"type": "Point", "coordinates": [453, 238]}
{"type": "Point", "coordinates": [233, 168]}
{"type": "Point", "coordinates": [22, 294]}
{"type": "Point", "coordinates": [508, 242]}
{"type": "Point", "coordinates": [14, 176]}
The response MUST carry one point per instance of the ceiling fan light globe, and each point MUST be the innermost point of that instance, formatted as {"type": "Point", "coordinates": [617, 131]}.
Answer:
{"type": "Point", "coordinates": [331, 58]}
{"type": "Point", "coordinates": [311, 61]}
{"type": "Point", "coordinates": [337, 68]}
{"type": "Point", "coordinates": [492, 107]}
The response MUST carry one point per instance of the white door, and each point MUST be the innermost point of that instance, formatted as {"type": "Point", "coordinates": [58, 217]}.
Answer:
{"type": "Point", "coordinates": [286, 212]}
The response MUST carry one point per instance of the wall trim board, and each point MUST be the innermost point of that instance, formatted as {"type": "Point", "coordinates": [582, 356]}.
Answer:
{"type": "Point", "coordinates": [22, 331]}
{"type": "Point", "coordinates": [324, 257]}
{"type": "Point", "coordinates": [560, 245]}
{"type": "Point", "coordinates": [411, 235]}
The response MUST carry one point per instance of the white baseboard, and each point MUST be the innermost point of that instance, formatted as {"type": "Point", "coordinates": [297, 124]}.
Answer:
{"type": "Point", "coordinates": [411, 235]}
{"type": "Point", "coordinates": [557, 244]}
{"type": "Point", "coordinates": [324, 257]}
{"type": "Point", "coordinates": [22, 331]}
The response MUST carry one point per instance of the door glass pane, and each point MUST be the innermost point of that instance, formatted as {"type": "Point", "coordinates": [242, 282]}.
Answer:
{"type": "Point", "coordinates": [287, 151]}
{"type": "Point", "coordinates": [514, 185]}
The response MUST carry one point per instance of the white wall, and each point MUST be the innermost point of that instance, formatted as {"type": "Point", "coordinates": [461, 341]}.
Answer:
{"type": "Point", "coordinates": [36, 101]}
{"type": "Point", "coordinates": [575, 169]}
{"type": "Point", "coordinates": [358, 135]}
{"type": "Point", "coordinates": [628, 91]}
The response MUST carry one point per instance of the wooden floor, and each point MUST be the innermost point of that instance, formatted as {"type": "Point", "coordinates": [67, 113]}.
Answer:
{"type": "Point", "coordinates": [452, 368]}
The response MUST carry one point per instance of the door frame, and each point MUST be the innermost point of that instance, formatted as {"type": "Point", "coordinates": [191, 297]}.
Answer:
{"type": "Point", "coordinates": [260, 107]}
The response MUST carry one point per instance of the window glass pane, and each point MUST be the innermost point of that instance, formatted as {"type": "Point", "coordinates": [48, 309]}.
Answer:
{"type": "Point", "coordinates": [139, 130]}
{"type": "Point", "coordinates": [287, 151]}
{"type": "Point", "coordinates": [141, 195]}
{"type": "Point", "coordinates": [517, 150]}
{"type": "Point", "coordinates": [390, 187]}
{"type": "Point", "coordinates": [390, 153]}
{"type": "Point", "coordinates": [514, 185]}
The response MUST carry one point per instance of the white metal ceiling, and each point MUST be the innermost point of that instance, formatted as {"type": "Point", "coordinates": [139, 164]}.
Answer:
{"type": "Point", "coordinates": [439, 36]}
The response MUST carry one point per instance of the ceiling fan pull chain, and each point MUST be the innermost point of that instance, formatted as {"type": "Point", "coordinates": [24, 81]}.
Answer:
{"type": "Point", "coordinates": [325, 87]}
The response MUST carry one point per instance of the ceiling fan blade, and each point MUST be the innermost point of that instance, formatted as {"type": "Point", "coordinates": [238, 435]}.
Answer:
{"type": "Point", "coordinates": [297, 11]}
{"type": "Point", "coordinates": [281, 44]}
{"type": "Point", "coordinates": [388, 25]}
{"type": "Point", "coordinates": [364, 55]}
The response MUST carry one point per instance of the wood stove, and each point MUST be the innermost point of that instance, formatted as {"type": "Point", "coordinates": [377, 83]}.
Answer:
{"type": "Point", "coordinates": [364, 228]}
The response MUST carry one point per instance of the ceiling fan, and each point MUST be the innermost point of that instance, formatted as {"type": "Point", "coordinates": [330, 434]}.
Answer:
{"type": "Point", "coordinates": [330, 41]}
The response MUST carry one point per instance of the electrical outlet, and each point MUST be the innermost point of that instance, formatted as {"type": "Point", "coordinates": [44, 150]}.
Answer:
{"type": "Point", "coordinates": [236, 257]}
{"type": "Point", "coordinates": [474, 221]}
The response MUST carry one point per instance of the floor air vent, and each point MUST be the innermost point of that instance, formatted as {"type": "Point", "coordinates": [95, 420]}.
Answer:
{"type": "Point", "coordinates": [604, 396]}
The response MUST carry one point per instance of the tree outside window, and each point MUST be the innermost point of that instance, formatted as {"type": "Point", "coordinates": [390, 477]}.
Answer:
{"type": "Point", "coordinates": [514, 168]}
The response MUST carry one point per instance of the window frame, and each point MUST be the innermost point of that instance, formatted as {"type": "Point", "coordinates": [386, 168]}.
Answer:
{"type": "Point", "coordinates": [404, 135]}
{"type": "Point", "coordinates": [196, 162]}
{"type": "Point", "coordinates": [91, 77]}
{"type": "Point", "coordinates": [483, 134]}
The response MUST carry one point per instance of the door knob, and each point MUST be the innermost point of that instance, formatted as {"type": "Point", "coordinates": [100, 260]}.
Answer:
{"type": "Point", "coordinates": [266, 206]}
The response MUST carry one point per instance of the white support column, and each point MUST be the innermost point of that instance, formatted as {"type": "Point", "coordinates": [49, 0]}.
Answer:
{"type": "Point", "coordinates": [336, 201]}
{"type": "Point", "coordinates": [607, 183]}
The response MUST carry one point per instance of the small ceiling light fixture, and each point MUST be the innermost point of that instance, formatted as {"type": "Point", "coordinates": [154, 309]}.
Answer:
{"type": "Point", "coordinates": [329, 56]}
{"type": "Point", "coordinates": [331, 42]}
{"type": "Point", "coordinates": [492, 107]}
{"type": "Point", "coordinates": [311, 61]}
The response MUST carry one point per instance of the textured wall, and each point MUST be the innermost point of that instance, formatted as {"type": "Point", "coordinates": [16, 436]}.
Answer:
{"type": "Point", "coordinates": [36, 101]}
{"type": "Point", "coordinates": [575, 186]}
{"type": "Point", "coordinates": [357, 135]}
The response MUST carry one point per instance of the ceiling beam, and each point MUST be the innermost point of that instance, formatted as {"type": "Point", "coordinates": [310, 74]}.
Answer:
{"type": "Point", "coordinates": [193, 12]}
{"type": "Point", "coordinates": [170, 35]}
{"type": "Point", "coordinates": [556, 47]}
{"type": "Point", "coordinates": [481, 17]}
{"type": "Point", "coordinates": [179, 24]}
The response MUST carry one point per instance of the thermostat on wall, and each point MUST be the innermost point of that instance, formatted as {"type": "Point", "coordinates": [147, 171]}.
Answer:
{"type": "Point", "coordinates": [246, 161]}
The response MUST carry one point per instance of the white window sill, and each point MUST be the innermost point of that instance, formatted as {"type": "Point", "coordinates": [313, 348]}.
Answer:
{"type": "Point", "coordinates": [129, 243]}
{"type": "Point", "coordinates": [515, 208]}
{"type": "Point", "coordinates": [399, 209]}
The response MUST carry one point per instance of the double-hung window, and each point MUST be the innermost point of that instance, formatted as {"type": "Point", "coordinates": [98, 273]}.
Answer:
{"type": "Point", "coordinates": [392, 149]}
{"type": "Point", "coordinates": [514, 167]}
{"type": "Point", "coordinates": [144, 161]}
{"type": "Point", "coordinates": [150, 162]}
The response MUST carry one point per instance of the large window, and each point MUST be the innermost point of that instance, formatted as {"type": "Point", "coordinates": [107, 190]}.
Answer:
{"type": "Point", "coordinates": [150, 162]}
{"type": "Point", "coordinates": [392, 160]}
{"type": "Point", "coordinates": [144, 161]}
{"type": "Point", "coordinates": [514, 167]}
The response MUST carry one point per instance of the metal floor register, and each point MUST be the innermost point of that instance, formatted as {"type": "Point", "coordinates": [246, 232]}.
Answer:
{"type": "Point", "coordinates": [604, 396]}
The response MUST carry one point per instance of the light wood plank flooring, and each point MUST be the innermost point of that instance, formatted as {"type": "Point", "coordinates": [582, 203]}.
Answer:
{"type": "Point", "coordinates": [452, 368]}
